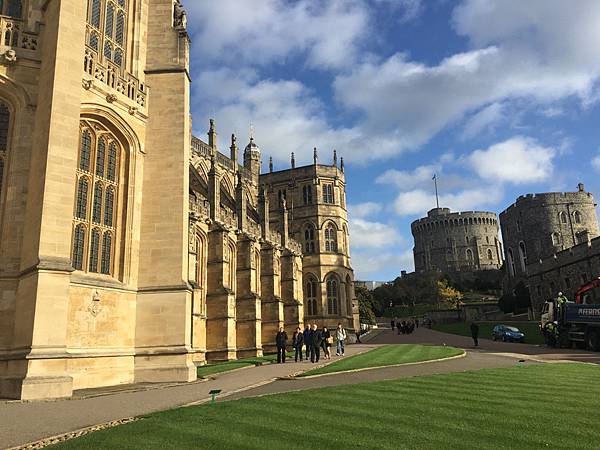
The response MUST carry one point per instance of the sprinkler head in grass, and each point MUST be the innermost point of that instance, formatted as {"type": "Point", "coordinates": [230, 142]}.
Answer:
{"type": "Point", "coordinates": [213, 396]}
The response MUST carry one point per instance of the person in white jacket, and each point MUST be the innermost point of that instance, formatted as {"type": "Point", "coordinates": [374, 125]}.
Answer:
{"type": "Point", "coordinates": [340, 335]}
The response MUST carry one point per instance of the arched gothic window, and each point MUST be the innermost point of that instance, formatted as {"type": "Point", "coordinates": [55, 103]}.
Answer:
{"type": "Point", "coordinates": [346, 248]}
{"type": "Point", "coordinates": [309, 239]}
{"type": "Point", "coordinates": [563, 217]}
{"type": "Point", "coordinates": [4, 130]}
{"type": "Point", "coordinates": [522, 255]}
{"type": "Point", "coordinates": [311, 297]}
{"type": "Point", "coordinates": [331, 239]}
{"type": "Point", "coordinates": [307, 194]}
{"type": "Point", "coordinates": [332, 296]}
{"type": "Point", "coordinates": [11, 8]}
{"type": "Point", "coordinates": [490, 255]}
{"type": "Point", "coordinates": [328, 194]}
{"type": "Point", "coordinates": [577, 217]}
{"type": "Point", "coordinates": [107, 29]}
{"type": "Point", "coordinates": [470, 256]}
{"type": "Point", "coordinates": [511, 262]}
{"type": "Point", "coordinates": [555, 239]}
{"type": "Point", "coordinates": [200, 260]}
{"type": "Point", "coordinates": [96, 200]}
{"type": "Point", "coordinates": [349, 295]}
{"type": "Point", "coordinates": [256, 286]}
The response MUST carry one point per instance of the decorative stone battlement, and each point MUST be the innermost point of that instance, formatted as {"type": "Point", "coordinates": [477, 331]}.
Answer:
{"type": "Point", "coordinates": [111, 76]}
{"type": "Point", "coordinates": [442, 217]}
{"type": "Point", "coordinates": [566, 257]}
{"type": "Point", "coordinates": [542, 199]}
{"type": "Point", "coordinates": [13, 35]}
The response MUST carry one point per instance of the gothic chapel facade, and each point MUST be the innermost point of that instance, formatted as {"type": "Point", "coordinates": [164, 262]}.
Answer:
{"type": "Point", "coordinates": [130, 251]}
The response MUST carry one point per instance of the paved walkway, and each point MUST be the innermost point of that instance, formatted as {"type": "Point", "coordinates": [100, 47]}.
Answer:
{"type": "Point", "coordinates": [24, 422]}
{"type": "Point", "coordinates": [21, 423]}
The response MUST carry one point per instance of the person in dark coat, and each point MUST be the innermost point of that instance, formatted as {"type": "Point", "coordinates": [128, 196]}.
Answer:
{"type": "Point", "coordinates": [281, 341]}
{"type": "Point", "coordinates": [308, 341]}
{"type": "Point", "coordinates": [297, 342]}
{"type": "Point", "coordinates": [475, 333]}
{"type": "Point", "coordinates": [325, 345]}
{"type": "Point", "coordinates": [317, 339]}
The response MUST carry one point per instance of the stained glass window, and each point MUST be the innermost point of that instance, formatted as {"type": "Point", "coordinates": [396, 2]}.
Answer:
{"type": "Point", "coordinates": [78, 245]}
{"type": "Point", "coordinates": [332, 296]}
{"type": "Point", "coordinates": [108, 207]}
{"type": "Point", "coordinates": [93, 266]}
{"type": "Point", "coordinates": [100, 155]}
{"type": "Point", "coordinates": [95, 16]}
{"type": "Point", "coordinates": [106, 251]}
{"type": "Point", "coordinates": [97, 207]}
{"type": "Point", "coordinates": [15, 8]}
{"type": "Point", "coordinates": [98, 178]}
{"type": "Point", "coordinates": [82, 195]}
{"type": "Point", "coordinates": [86, 150]}
{"type": "Point", "coordinates": [110, 20]}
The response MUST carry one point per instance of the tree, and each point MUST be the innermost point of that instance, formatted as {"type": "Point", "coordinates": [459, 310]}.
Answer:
{"type": "Point", "coordinates": [365, 306]}
{"type": "Point", "coordinates": [448, 294]}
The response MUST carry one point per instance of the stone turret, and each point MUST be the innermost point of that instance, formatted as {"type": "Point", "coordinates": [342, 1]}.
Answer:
{"type": "Point", "coordinates": [252, 159]}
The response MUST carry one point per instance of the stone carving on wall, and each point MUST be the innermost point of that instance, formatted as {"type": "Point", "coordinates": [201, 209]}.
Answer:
{"type": "Point", "coordinates": [179, 16]}
{"type": "Point", "coordinates": [95, 308]}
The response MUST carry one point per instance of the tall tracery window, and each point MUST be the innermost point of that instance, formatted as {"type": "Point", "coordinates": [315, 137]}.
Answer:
{"type": "Point", "coordinates": [106, 29]}
{"type": "Point", "coordinates": [328, 193]}
{"type": "Point", "coordinates": [96, 200]}
{"type": "Point", "coordinates": [330, 238]}
{"type": "Point", "coordinates": [256, 286]}
{"type": "Point", "coordinates": [469, 256]}
{"type": "Point", "coordinates": [4, 129]}
{"type": "Point", "coordinates": [332, 296]}
{"type": "Point", "coordinates": [562, 217]}
{"type": "Point", "coordinates": [309, 239]}
{"type": "Point", "coordinates": [307, 194]}
{"type": "Point", "coordinates": [577, 217]}
{"type": "Point", "coordinates": [555, 239]}
{"type": "Point", "coordinates": [490, 255]}
{"type": "Point", "coordinates": [511, 262]}
{"type": "Point", "coordinates": [522, 255]}
{"type": "Point", "coordinates": [11, 8]}
{"type": "Point", "coordinates": [311, 297]}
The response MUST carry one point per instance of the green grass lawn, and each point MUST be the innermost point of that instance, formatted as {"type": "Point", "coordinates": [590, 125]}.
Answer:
{"type": "Point", "coordinates": [387, 355]}
{"type": "Point", "coordinates": [211, 369]}
{"type": "Point", "coordinates": [551, 406]}
{"type": "Point", "coordinates": [531, 330]}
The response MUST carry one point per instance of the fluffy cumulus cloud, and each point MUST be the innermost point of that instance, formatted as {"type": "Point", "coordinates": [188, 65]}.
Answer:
{"type": "Point", "coordinates": [596, 162]}
{"type": "Point", "coordinates": [417, 202]}
{"type": "Point", "coordinates": [264, 31]}
{"type": "Point", "coordinates": [382, 264]}
{"type": "Point", "coordinates": [532, 52]}
{"type": "Point", "coordinates": [364, 210]}
{"type": "Point", "coordinates": [367, 234]}
{"type": "Point", "coordinates": [518, 160]}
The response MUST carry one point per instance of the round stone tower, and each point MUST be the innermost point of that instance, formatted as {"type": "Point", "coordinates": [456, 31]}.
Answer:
{"type": "Point", "coordinates": [456, 242]}
{"type": "Point", "coordinates": [539, 225]}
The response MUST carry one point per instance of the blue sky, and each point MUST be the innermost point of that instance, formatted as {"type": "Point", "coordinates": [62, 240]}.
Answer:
{"type": "Point", "coordinates": [498, 97]}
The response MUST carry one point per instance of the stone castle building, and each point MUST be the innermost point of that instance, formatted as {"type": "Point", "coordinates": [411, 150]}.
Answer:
{"type": "Point", "coordinates": [456, 242]}
{"type": "Point", "coordinates": [565, 271]}
{"type": "Point", "coordinates": [315, 199]}
{"type": "Point", "coordinates": [131, 251]}
{"type": "Point", "coordinates": [542, 234]}
{"type": "Point", "coordinates": [537, 226]}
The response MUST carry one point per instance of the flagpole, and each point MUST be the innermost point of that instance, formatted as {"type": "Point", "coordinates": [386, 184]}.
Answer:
{"type": "Point", "coordinates": [437, 200]}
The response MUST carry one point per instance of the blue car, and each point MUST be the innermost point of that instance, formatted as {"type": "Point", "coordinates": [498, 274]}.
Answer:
{"type": "Point", "coordinates": [507, 334]}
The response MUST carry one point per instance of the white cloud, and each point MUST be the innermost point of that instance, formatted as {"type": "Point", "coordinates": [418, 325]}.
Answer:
{"type": "Point", "coordinates": [382, 264]}
{"type": "Point", "coordinates": [518, 160]}
{"type": "Point", "coordinates": [366, 234]}
{"type": "Point", "coordinates": [362, 210]}
{"type": "Point", "coordinates": [409, 179]}
{"type": "Point", "coordinates": [265, 31]}
{"type": "Point", "coordinates": [410, 9]}
{"type": "Point", "coordinates": [485, 119]}
{"type": "Point", "coordinates": [596, 162]}
{"type": "Point", "coordinates": [417, 202]}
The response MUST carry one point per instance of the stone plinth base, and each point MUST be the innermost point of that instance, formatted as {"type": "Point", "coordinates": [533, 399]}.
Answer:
{"type": "Point", "coordinates": [164, 368]}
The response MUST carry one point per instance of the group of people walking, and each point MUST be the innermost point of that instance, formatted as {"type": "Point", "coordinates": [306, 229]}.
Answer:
{"type": "Point", "coordinates": [310, 342]}
{"type": "Point", "coordinates": [405, 327]}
